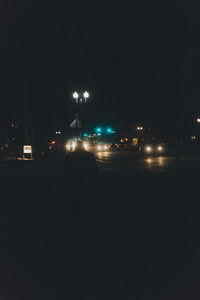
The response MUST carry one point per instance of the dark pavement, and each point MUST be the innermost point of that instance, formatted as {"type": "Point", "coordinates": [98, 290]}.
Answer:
{"type": "Point", "coordinates": [130, 233]}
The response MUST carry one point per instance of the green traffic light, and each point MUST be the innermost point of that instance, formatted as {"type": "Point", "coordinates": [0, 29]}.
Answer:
{"type": "Point", "coordinates": [109, 130]}
{"type": "Point", "coordinates": [98, 129]}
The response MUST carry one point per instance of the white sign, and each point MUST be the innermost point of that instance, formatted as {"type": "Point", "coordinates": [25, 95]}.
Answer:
{"type": "Point", "coordinates": [75, 124]}
{"type": "Point", "coordinates": [27, 149]}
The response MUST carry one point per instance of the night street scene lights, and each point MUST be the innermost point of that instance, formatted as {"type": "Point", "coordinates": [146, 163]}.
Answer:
{"type": "Point", "coordinates": [140, 137]}
{"type": "Point", "coordinates": [198, 120]}
{"type": "Point", "coordinates": [98, 130]}
{"type": "Point", "coordinates": [79, 99]}
{"type": "Point", "coordinates": [75, 96]}
{"type": "Point", "coordinates": [86, 95]}
{"type": "Point", "coordinates": [108, 130]}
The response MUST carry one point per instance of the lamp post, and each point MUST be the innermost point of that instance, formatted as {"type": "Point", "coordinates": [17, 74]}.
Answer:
{"type": "Point", "coordinates": [140, 130]}
{"type": "Point", "coordinates": [80, 99]}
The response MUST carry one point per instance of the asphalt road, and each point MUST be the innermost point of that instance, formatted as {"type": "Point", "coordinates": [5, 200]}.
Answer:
{"type": "Point", "coordinates": [166, 162]}
{"type": "Point", "coordinates": [127, 160]}
{"type": "Point", "coordinates": [132, 232]}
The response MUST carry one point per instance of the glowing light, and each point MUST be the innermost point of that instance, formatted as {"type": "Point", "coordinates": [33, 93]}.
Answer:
{"type": "Point", "coordinates": [86, 95]}
{"type": "Point", "coordinates": [99, 147]}
{"type": "Point", "coordinates": [74, 146]}
{"type": "Point", "coordinates": [53, 142]}
{"type": "Point", "coordinates": [98, 130]}
{"type": "Point", "coordinates": [149, 160]}
{"type": "Point", "coordinates": [148, 148]}
{"type": "Point", "coordinates": [86, 146]}
{"type": "Point", "coordinates": [109, 130]}
{"type": "Point", "coordinates": [198, 120]}
{"type": "Point", "coordinates": [105, 147]}
{"type": "Point", "coordinates": [75, 95]}
{"type": "Point", "coordinates": [160, 148]}
{"type": "Point", "coordinates": [68, 147]}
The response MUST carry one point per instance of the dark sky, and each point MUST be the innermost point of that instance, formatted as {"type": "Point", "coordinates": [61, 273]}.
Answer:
{"type": "Point", "coordinates": [125, 55]}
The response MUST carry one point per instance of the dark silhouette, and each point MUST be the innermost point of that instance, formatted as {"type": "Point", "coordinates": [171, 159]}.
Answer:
{"type": "Point", "coordinates": [80, 165]}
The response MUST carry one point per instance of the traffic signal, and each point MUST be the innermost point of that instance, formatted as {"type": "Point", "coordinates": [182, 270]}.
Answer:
{"type": "Point", "coordinates": [98, 129]}
{"type": "Point", "coordinates": [109, 130]}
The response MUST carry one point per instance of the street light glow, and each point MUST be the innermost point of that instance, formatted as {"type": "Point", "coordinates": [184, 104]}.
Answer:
{"type": "Point", "coordinates": [75, 95]}
{"type": "Point", "coordinates": [198, 120]}
{"type": "Point", "coordinates": [86, 95]}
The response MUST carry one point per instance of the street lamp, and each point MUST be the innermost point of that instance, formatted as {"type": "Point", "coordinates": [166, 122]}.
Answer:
{"type": "Point", "coordinates": [78, 99]}
{"type": "Point", "coordinates": [198, 120]}
{"type": "Point", "coordinates": [86, 95]}
{"type": "Point", "coordinates": [75, 96]}
{"type": "Point", "coordinates": [140, 139]}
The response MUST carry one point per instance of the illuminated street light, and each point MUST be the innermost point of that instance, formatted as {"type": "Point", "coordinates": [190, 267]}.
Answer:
{"type": "Point", "coordinates": [86, 95]}
{"type": "Point", "coordinates": [78, 98]}
{"type": "Point", "coordinates": [198, 120]}
{"type": "Point", "coordinates": [75, 95]}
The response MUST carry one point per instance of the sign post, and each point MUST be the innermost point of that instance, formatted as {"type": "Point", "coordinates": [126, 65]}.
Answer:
{"type": "Point", "coordinates": [27, 149]}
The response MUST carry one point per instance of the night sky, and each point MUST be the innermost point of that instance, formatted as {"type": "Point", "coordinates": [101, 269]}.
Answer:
{"type": "Point", "coordinates": [125, 55]}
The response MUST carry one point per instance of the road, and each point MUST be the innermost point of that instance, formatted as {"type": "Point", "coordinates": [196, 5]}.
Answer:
{"type": "Point", "coordinates": [115, 161]}
{"type": "Point", "coordinates": [130, 233]}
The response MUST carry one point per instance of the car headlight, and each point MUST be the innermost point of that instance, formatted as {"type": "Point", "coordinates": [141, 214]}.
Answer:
{"type": "Point", "coordinates": [105, 147]}
{"type": "Point", "coordinates": [67, 146]}
{"type": "Point", "coordinates": [160, 148]}
{"type": "Point", "coordinates": [86, 146]}
{"type": "Point", "coordinates": [148, 148]}
{"type": "Point", "coordinates": [99, 147]}
{"type": "Point", "coordinates": [74, 146]}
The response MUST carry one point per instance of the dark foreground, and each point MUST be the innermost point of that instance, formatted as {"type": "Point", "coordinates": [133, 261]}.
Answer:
{"type": "Point", "coordinates": [130, 233]}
